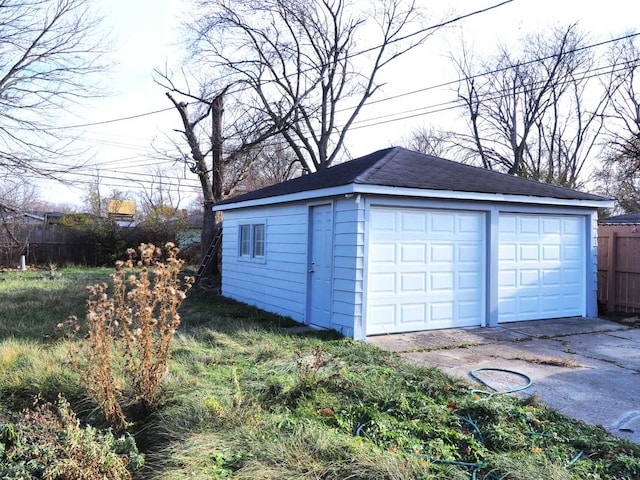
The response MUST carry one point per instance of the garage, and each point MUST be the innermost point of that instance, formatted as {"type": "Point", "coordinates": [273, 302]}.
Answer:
{"type": "Point", "coordinates": [541, 271]}
{"type": "Point", "coordinates": [425, 269]}
{"type": "Point", "coordinates": [399, 241]}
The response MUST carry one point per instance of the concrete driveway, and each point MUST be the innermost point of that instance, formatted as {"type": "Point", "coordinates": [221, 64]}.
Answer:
{"type": "Point", "coordinates": [586, 368]}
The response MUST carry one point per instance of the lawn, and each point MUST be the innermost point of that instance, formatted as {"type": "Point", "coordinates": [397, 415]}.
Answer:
{"type": "Point", "coordinates": [244, 397]}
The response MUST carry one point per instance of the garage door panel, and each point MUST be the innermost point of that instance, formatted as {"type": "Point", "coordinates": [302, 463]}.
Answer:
{"type": "Point", "coordinates": [572, 277]}
{"type": "Point", "coordinates": [529, 304]}
{"type": "Point", "coordinates": [413, 253]}
{"type": "Point", "coordinates": [528, 253]}
{"type": "Point", "coordinates": [552, 278]}
{"type": "Point", "coordinates": [413, 222]}
{"type": "Point", "coordinates": [551, 253]}
{"type": "Point", "coordinates": [546, 279]}
{"type": "Point", "coordinates": [529, 278]}
{"type": "Point", "coordinates": [572, 226]}
{"type": "Point", "coordinates": [551, 225]}
{"type": "Point", "coordinates": [412, 314]}
{"type": "Point", "coordinates": [384, 221]}
{"type": "Point", "coordinates": [507, 224]}
{"type": "Point", "coordinates": [467, 254]}
{"type": "Point", "coordinates": [572, 253]}
{"type": "Point", "coordinates": [469, 281]}
{"type": "Point", "coordinates": [441, 311]}
{"type": "Point", "coordinates": [383, 253]}
{"type": "Point", "coordinates": [413, 282]}
{"type": "Point", "coordinates": [382, 283]}
{"type": "Point", "coordinates": [442, 223]}
{"type": "Point", "coordinates": [381, 314]}
{"type": "Point", "coordinates": [441, 253]}
{"type": "Point", "coordinates": [507, 278]}
{"type": "Point", "coordinates": [507, 252]}
{"type": "Point", "coordinates": [468, 311]}
{"type": "Point", "coordinates": [441, 281]}
{"type": "Point", "coordinates": [438, 271]}
{"type": "Point", "coordinates": [469, 224]}
{"type": "Point", "coordinates": [528, 225]}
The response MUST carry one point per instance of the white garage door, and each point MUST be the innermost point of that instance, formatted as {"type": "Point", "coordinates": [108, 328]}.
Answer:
{"type": "Point", "coordinates": [541, 267]}
{"type": "Point", "coordinates": [425, 270]}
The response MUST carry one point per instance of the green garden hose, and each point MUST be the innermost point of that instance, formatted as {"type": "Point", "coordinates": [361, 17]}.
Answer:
{"type": "Point", "coordinates": [488, 395]}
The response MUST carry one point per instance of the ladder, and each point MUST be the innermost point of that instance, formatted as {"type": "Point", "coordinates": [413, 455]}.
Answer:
{"type": "Point", "coordinates": [210, 255]}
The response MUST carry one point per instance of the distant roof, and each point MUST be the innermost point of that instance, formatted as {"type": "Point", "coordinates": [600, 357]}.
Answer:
{"type": "Point", "coordinates": [626, 219]}
{"type": "Point", "coordinates": [121, 207]}
{"type": "Point", "coordinates": [399, 167]}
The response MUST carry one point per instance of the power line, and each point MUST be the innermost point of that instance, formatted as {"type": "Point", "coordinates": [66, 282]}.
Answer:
{"type": "Point", "coordinates": [362, 52]}
{"type": "Point", "coordinates": [141, 181]}
{"type": "Point", "coordinates": [112, 120]}
{"type": "Point", "coordinates": [497, 70]}
{"type": "Point", "coordinates": [399, 39]}
{"type": "Point", "coordinates": [587, 74]}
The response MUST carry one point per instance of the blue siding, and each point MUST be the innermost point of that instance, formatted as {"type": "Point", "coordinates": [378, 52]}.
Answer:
{"type": "Point", "coordinates": [348, 255]}
{"type": "Point", "coordinates": [277, 284]}
{"type": "Point", "coordinates": [592, 265]}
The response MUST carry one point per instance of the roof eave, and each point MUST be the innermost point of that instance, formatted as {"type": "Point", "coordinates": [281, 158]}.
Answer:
{"type": "Point", "coordinates": [488, 197]}
{"type": "Point", "coordinates": [414, 192]}
{"type": "Point", "coordinates": [291, 197]}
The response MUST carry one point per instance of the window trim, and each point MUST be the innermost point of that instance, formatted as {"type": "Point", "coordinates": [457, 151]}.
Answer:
{"type": "Point", "coordinates": [253, 248]}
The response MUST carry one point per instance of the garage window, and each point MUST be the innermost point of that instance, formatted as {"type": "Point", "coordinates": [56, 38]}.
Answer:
{"type": "Point", "coordinates": [252, 241]}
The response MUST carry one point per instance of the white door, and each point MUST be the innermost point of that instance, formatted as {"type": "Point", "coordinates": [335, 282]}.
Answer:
{"type": "Point", "coordinates": [542, 265]}
{"type": "Point", "coordinates": [425, 270]}
{"type": "Point", "coordinates": [320, 265]}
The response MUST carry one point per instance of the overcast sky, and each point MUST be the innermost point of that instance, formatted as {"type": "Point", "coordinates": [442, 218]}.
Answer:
{"type": "Point", "coordinates": [146, 35]}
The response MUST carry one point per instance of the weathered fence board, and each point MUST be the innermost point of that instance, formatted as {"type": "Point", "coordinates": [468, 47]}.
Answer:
{"type": "Point", "coordinates": [619, 268]}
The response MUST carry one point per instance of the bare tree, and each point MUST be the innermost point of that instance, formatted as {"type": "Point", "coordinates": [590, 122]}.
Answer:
{"type": "Point", "coordinates": [304, 69]}
{"type": "Point", "coordinates": [16, 225]}
{"type": "Point", "coordinates": [430, 141]}
{"type": "Point", "coordinates": [619, 175]}
{"type": "Point", "coordinates": [275, 163]}
{"type": "Point", "coordinates": [160, 193]}
{"type": "Point", "coordinates": [48, 51]}
{"type": "Point", "coordinates": [300, 70]}
{"type": "Point", "coordinates": [202, 131]}
{"type": "Point", "coordinates": [535, 113]}
{"type": "Point", "coordinates": [93, 197]}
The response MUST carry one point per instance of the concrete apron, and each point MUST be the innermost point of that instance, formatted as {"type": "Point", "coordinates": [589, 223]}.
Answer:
{"type": "Point", "coordinates": [585, 368]}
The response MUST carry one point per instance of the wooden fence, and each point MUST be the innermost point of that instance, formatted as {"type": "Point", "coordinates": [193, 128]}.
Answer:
{"type": "Point", "coordinates": [619, 268]}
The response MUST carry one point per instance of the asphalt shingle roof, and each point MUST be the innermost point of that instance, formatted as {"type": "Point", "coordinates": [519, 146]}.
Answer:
{"type": "Point", "coordinates": [399, 167]}
{"type": "Point", "coordinates": [626, 219]}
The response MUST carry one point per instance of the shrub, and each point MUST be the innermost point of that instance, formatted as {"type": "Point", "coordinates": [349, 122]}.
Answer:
{"type": "Point", "coordinates": [130, 332]}
{"type": "Point", "coordinates": [48, 442]}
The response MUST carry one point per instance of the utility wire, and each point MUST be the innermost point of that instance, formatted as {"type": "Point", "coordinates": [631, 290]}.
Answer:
{"type": "Point", "coordinates": [362, 52]}
{"type": "Point", "coordinates": [112, 120]}
{"type": "Point", "coordinates": [492, 72]}
{"type": "Point", "coordinates": [453, 104]}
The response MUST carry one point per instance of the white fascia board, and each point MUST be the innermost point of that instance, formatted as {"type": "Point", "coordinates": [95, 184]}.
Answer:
{"type": "Point", "coordinates": [292, 197]}
{"type": "Point", "coordinates": [486, 197]}
{"type": "Point", "coordinates": [415, 192]}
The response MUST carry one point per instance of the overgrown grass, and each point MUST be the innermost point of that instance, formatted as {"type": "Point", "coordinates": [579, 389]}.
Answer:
{"type": "Point", "coordinates": [32, 303]}
{"type": "Point", "coordinates": [245, 399]}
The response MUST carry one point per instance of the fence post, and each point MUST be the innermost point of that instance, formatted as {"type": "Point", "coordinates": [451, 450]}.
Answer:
{"type": "Point", "coordinates": [611, 272]}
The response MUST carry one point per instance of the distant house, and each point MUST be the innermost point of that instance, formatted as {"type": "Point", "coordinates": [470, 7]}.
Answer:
{"type": "Point", "coordinates": [191, 234]}
{"type": "Point", "coordinates": [398, 241]}
{"type": "Point", "coordinates": [17, 230]}
{"type": "Point", "coordinates": [630, 219]}
{"type": "Point", "coordinates": [122, 212]}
